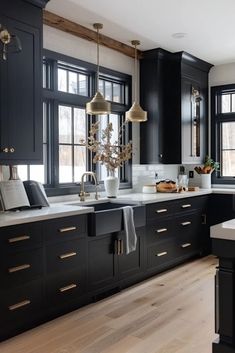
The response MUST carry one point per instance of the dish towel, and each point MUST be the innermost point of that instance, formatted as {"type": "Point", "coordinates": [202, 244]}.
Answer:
{"type": "Point", "coordinates": [129, 228]}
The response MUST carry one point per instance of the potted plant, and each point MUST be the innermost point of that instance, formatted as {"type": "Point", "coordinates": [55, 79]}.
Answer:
{"type": "Point", "coordinates": [111, 154]}
{"type": "Point", "coordinates": [206, 170]}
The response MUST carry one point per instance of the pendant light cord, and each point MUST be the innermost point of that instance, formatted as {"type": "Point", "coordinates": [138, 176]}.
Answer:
{"type": "Point", "coordinates": [135, 73]}
{"type": "Point", "coordinates": [98, 60]}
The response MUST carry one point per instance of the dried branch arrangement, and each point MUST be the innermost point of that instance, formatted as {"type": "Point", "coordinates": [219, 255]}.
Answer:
{"type": "Point", "coordinates": [112, 155]}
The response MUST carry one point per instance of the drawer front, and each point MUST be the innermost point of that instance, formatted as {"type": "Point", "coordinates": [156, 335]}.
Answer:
{"type": "Point", "coordinates": [21, 267]}
{"type": "Point", "coordinates": [65, 256]}
{"type": "Point", "coordinates": [65, 228]}
{"type": "Point", "coordinates": [159, 231]}
{"type": "Point", "coordinates": [191, 204]}
{"type": "Point", "coordinates": [18, 306]}
{"type": "Point", "coordinates": [188, 226]}
{"type": "Point", "coordinates": [65, 287]}
{"type": "Point", "coordinates": [160, 254]}
{"type": "Point", "coordinates": [20, 237]}
{"type": "Point", "coordinates": [188, 246]}
{"type": "Point", "coordinates": [158, 210]}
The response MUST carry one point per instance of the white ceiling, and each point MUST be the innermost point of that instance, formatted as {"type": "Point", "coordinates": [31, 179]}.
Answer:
{"type": "Point", "coordinates": [209, 24]}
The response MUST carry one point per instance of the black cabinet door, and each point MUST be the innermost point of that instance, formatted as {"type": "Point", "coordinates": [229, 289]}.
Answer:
{"type": "Point", "coordinates": [21, 97]}
{"type": "Point", "coordinates": [102, 262]}
{"type": "Point", "coordinates": [132, 264]}
{"type": "Point", "coordinates": [193, 129]}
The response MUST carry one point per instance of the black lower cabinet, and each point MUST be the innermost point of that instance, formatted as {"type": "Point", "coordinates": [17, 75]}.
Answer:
{"type": "Point", "coordinates": [109, 267]}
{"type": "Point", "coordinates": [51, 267]}
{"type": "Point", "coordinates": [224, 296]}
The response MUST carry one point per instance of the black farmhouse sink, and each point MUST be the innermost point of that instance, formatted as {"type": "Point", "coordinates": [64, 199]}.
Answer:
{"type": "Point", "coordinates": [108, 217]}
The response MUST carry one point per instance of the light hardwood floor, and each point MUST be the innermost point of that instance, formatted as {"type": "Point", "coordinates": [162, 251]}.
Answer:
{"type": "Point", "coordinates": [169, 313]}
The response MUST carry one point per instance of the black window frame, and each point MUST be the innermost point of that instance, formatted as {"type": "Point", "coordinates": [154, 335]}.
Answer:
{"type": "Point", "coordinates": [217, 117]}
{"type": "Point", "coordinates": [53, 97]}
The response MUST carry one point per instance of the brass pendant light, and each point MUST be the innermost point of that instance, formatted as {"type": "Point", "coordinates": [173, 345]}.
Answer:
{"type": "Point", "coordinates": [136, 114]}
{"type": "Point", "coordinates": [98, 105]}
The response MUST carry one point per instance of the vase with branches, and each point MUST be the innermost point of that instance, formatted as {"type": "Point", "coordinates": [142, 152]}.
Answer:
{"type": "Point", "coordinates": [112, 154]}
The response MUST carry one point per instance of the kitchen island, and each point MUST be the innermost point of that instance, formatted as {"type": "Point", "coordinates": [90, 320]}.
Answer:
{"type": "Point", "coordinates": [223, 246]}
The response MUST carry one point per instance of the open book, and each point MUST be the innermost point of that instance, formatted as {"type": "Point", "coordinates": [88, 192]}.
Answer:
{"type": "Point", "coordinates": [16, 194]}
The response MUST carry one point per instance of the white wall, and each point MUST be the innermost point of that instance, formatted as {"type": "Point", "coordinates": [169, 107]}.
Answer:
{"type": "Point", "coordinates": [222, 74]}
{"type": "Point", "coordinates": [79, 48]}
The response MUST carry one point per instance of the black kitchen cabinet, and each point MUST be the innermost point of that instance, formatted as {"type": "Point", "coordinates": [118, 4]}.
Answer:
{"type": "Point", "coordinates": [224, 296]}
{"type": "Point", "coordinates": [43, 272]}
{"type": "Point", "coordinates": [109, 266]}
{"type": "Point", "coordinates": [174, 232]}
{"type": "Point", "coordinates": [173, 89]}
{"type": "Point", "coordinates": [21, 114]}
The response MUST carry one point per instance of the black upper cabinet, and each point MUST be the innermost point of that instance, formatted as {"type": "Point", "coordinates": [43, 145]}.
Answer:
{"type": "Point", "coordinates": [21, 114]}
{"type": "Point", "coordinates": [173, 89]}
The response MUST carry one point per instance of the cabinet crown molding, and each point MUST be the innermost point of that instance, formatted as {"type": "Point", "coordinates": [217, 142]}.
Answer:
{"type": "Point", "coordinates": [39, 3]}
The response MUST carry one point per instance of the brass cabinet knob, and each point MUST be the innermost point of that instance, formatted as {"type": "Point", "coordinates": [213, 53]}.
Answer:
{"type": "Point", "coordinates": [12, 150]}
{"type": "Point", "coordinates": [5, 150]}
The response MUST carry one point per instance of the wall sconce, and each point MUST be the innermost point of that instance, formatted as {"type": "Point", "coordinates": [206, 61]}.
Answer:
{"type": "Point", "coordinates": [9, 41]}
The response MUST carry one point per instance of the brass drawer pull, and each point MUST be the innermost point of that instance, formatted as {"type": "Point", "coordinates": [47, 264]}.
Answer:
{"type": "Point", "coordinates": [20, 238]}
{"type": "Point", "coordinates": [69, 287]}
{"type": "Point", "coordinates": [66, 256]}
{"type": "Point", "coordinates": [187, 205]}
{"type": "Point", "coordinates": [162, 253]}
{"type": "Point", "coordinates": [186, 223]}
{"type": "Point", "coordinates": [161, 230]}
{"type": "Point", "coordinates": [161, 210]}
{"type": "Point", "coordinates": [19, 268]}
{"type": "Point", "coordinates": [186, 245]}
{"type": "Point", "coordinates": [67, 229]}
{"type": "Point", "coordinates": [19, 305]}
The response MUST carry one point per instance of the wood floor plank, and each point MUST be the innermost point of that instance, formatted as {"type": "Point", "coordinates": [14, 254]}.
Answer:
{"type": "Point", "coordinates": [169, 313]}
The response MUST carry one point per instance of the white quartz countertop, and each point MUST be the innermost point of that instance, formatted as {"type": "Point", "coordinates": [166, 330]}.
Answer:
{"type": "Point", "coordinates": [54, 211]}
{"type": "Point", "coordinates": [75, 207]}
{"type": "Point", "coordinates": [159, 197]}
{"type": "Point", "coordinates": [225, 230]}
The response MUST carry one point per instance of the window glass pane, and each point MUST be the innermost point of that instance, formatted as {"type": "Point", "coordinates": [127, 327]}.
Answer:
{"type": "Point", "coordinates": [37, 173]}
{"type": "Point", "coordinates": [116, 93]}
{"type": "Point", "coordinates": [65, 124]}
{"type": "Point", "coordinates": [228, 163]}
{"type": "Point", "coordinates": [228, 135]}
{"type": "Point", "coordinates": [108, 90]}
{"type": "Point", "coordinates": [65, 164]}
{"type": "Point", "coordinates": [79, 125]}
{"type": "Point", "coordinates": [79, 162]}
{"type": "Point", "coordinates": [62, 80]}
{"type": "Point", "coordinates": [114, 119]}
{"type": "Point", "coordinates": [101, 86]}
{"type": "Point", "coordinates": [225, 98]}
{"type": "Point", "coordinates": [44, 122]}
{"type": "Point", "coordinates": [83, 85]}
{"type": "Point", "coordinates": [23, 172]}
{"type": "Point", "coordinates": [73, 82]}
{"type": "Point", "coordinates": [233, 103]}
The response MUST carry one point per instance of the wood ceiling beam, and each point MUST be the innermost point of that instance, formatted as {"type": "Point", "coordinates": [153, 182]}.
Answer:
{"type": "Point", "coordinates": [61, 23]}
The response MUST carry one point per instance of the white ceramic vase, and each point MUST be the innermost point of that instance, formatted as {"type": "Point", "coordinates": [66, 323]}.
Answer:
{"type": "Point", "coordinates": [205, 181]}
{"type": "Point", "coordinates": [111, 185]}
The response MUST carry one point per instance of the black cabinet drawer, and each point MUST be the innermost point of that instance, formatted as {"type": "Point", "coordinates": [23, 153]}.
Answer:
{"type": "Point", "coordinates": [65, 256]}
{"type": "Point", "coordinates": [66, 287]}
{"type": "Point", "coordinates": [21, 267]}
{"type": "Point", "coordinates": [188, 246]}
{"type": "Point", "coordinates": [159, 231]}
{"type": "Point", "coordinates": [20, 237]}
{"type": "Point", "coordinates": [191, 204]}
{"type": "Point", "coordinates": [19, 306]}
{"type": "Point", "coordinates": [159, 210]}
{"type": "Point", "coordinates": [188, 226]}
{"type": "Point", "coordinates": [160, 254]}
{"type": "Point", "coordinates": [65, 228]}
